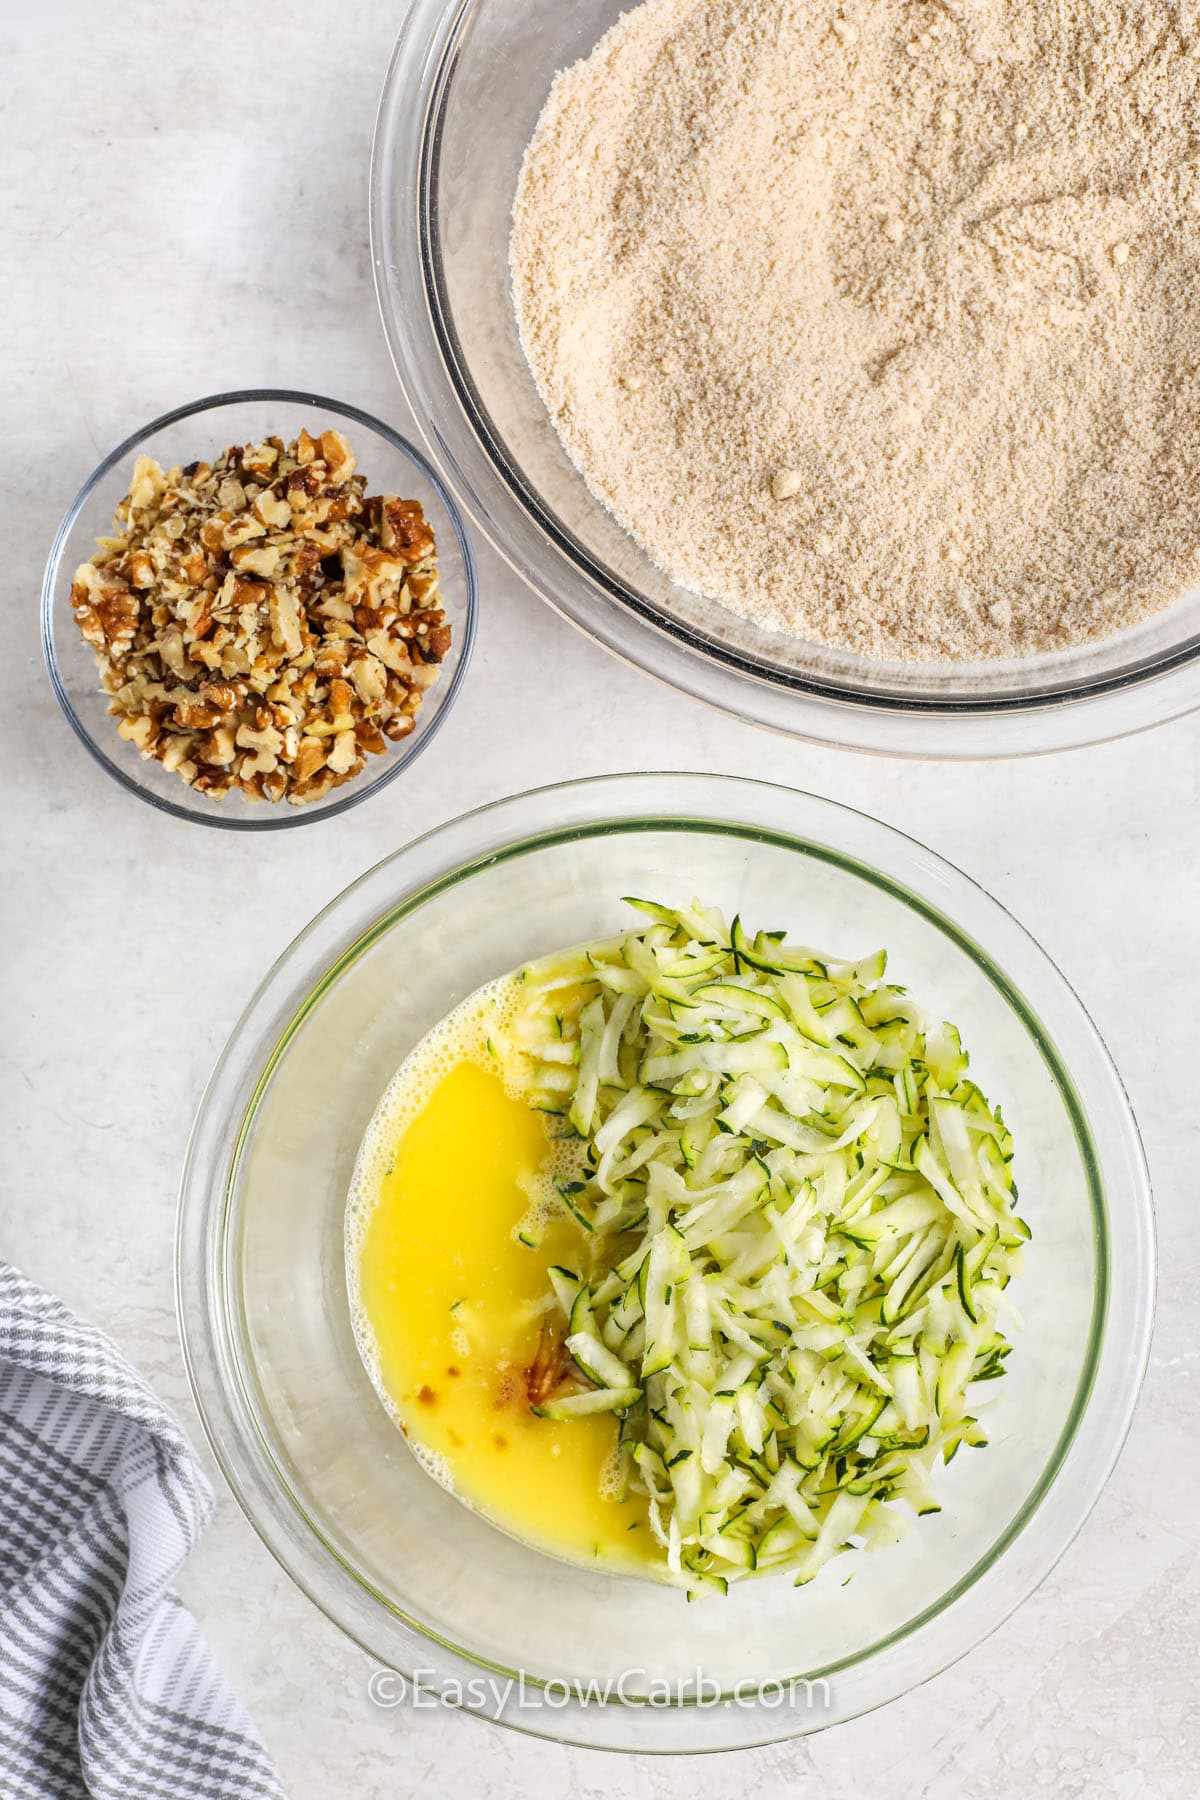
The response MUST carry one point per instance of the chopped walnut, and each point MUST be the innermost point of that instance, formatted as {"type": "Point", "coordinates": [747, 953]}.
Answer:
{"type": "Point", "coordinates": [259, 622]}
{"type": "Point", "coordinates": [552, 1371]}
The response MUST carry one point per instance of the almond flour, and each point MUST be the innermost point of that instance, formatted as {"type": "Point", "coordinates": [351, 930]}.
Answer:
{"type": "Point", "coordinates": [880, 322]}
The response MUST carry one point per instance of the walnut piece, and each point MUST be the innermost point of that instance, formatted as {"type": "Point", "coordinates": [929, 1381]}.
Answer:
{"type": "Point", "coordinates": [259, 622]}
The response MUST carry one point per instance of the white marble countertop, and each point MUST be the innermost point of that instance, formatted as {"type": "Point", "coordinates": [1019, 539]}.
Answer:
{"type": "Point", "coordinates": [184, 209]}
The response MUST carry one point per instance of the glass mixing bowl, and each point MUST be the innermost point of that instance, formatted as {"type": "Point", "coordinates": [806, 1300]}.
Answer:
{"type": "Point", "coordinates": [391, 465]}
{"type": "Point", "coordinates": [462, 96]}
{"type": "Point", "coordinates": [427, 1586]}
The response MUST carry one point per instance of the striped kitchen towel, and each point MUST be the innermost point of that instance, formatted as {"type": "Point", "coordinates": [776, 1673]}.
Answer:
{"type": "Point", "coordinates": [106, 1686]}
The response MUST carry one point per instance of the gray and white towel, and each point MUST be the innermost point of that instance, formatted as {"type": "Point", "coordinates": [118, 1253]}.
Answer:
{"type": "Point", "coordinates": [106, 1686]}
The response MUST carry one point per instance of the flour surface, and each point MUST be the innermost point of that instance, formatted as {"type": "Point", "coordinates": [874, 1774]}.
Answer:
{"type": "Point", "coordinates": [880, 323]}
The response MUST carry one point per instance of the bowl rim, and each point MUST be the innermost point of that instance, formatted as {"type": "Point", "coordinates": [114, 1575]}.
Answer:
{"type": "Point", "coordinates": [1150, 689]}
{"type": "Point", "coordinates": [206, 1216]}
{"type": "Point", "coordinates": [280, 817]}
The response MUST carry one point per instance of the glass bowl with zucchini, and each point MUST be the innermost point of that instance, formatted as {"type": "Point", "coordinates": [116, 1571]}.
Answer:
{"type": "Point", "coordinates": [645, 1261]}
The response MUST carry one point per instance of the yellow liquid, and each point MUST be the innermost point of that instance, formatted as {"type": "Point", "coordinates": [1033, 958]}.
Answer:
{"type": "Point", "coordinates": [450, 1307]}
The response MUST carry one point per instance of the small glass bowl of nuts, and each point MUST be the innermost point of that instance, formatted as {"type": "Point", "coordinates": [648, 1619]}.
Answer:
{"type": "Point", "coordinates": [258, 609]}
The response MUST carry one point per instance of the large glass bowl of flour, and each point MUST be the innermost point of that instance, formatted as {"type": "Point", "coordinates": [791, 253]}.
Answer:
{"type": "Point", "coordinates": [462, 97]}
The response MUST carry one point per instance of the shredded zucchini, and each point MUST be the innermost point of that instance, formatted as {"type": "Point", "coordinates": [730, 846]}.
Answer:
{"type": "Point", "coordinates": [797, 1223]}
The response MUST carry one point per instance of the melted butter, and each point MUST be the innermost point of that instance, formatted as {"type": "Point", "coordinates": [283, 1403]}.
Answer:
{"type": "Point", "coordinates": [450, 1303]}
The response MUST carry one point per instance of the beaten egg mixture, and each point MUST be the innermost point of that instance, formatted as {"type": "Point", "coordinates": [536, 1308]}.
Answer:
{"type": "Point", "coordinates": [451, 1228]}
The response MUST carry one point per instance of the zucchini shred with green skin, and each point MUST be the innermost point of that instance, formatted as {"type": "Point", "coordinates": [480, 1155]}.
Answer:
{"type": "Point", "coordinates": [797, 1223]}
